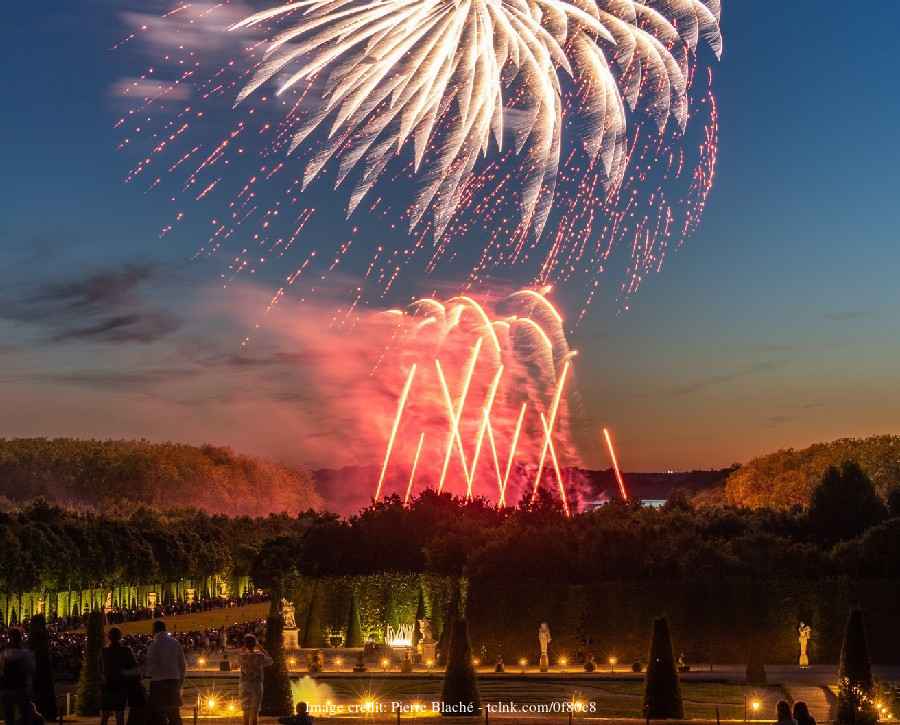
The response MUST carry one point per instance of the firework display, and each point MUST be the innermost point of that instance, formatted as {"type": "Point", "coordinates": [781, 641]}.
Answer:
{"type": "Point", "coordinates": [404, 93]}
{"type": "Point", "coordinates": [491, 140]}
{"type": "Point", "coordinates": [396, 71]}
{"type": "Point", "coordinates": [482, 410]}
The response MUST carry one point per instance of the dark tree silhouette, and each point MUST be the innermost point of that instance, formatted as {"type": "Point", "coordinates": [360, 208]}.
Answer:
{"type": "Point", "coordinates": [844, 505]}
{"type": "Point", "coordinates": [393, 619]}
{"type": "Point", "coordinates": [354, 628]}
{"type": "Point", "coordinates": [277, 698]}
{"type": "Point", "coordinates": [662, 691]}
{"type": "Point", "coordinates": [460, 694]}
{"type": "Point", "coordinates": [420, 614]}
{"type": "Point", "coordinates": [312, 634]}
{"type": "Point", "coordinates": [87, 703]}
{"type": "Point", "coordinates": [452, 615]}
{"type": "Point", "coordinates": [855, 701]}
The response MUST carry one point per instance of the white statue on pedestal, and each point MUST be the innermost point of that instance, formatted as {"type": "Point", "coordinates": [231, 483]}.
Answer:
{"type": "Point", "coordinates": [287, 611]}
{"type": "Point", "coordinates": [804, 633]}
{"type": "Point", "coordinates": [425, 627]}
{"type": "Point", "coordinates": [544, 637]}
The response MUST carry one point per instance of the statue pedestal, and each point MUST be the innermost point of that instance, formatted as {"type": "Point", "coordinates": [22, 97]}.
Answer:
{"type": "Point", "coordinates": [545, 664]}
{"type": "Point", "coordinates": [429, 652]}
{"type": "Point", "coordinates": [804, 660]}
{"type": "Point", "coordinates": [291, 640]}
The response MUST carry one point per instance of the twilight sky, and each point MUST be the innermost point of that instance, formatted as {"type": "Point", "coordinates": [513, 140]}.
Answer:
{"type": "Point", "coordinates": [775, 325]}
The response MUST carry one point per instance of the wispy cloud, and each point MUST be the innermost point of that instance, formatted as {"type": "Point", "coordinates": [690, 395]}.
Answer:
{"type": "Point", "coordinates": [713, 380]}
{"type": "Point", "coordinates": [105, 306]}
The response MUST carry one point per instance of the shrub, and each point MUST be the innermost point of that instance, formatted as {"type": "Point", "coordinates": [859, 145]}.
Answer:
{"type": "Point", "coordinates": [277, 698]}
{"type": "Point", "coordinates": [662, 691]}
{"type": "Point", "coordinates": [460, 680]}
{"type": "Point", "coordinates": [393, 619]}
{"type": "Point", "coordinates": [855, 703]}
{"type": "Point", "coordinates": [87, 703]}
{"type": "Point", "coordinates": [452, 616]}
{"type": "Point", "coordinates": [312, 635]}
{"type": "Point", "coordinates": [354, 628]}
{"type": "Point", "coordinates": [420, 614]}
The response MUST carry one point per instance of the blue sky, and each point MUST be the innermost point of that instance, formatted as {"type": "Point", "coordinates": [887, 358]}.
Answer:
{"type": "Point", "coordinates": [775, 325]}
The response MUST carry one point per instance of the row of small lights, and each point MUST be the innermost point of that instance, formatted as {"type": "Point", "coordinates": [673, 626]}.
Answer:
{"type": "Point", "coordinates": [476, 662]}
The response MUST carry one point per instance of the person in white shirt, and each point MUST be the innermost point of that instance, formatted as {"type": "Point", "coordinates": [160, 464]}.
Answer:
{"type": "Point", "coordinates": [166, 666]}
{"type": "Point", "coordinates": [252, 660]}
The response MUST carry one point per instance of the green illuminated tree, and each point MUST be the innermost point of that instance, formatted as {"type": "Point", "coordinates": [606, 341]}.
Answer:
{"type": "Point", "coordinates": [87, 703]}
{"type": "Point", "coordinates": [277, 698]}
{"type": "Point", "coordinates": [354, 628]}
{"type": "Point", "coordinates": [312, 634]}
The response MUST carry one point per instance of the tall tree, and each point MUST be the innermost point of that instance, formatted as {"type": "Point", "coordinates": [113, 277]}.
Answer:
{"type": "Point", "coordinates": [460, 695]}
{"type": "Point", "coordinates": [449, 619]}
{"type": "Point", "coordinates": [87, 703]}
{"type": "Point", "coordinates": [354, 627]}
{"type": "Point", "coordinates": [312, 634]}
{"type": "Point", "coordinates": [855, 701]}
{"type": "Point", "coordinates": [393, 619]}
{"type": "Point", "coordinates": [844, 505]}
{"type": "Point", "coordinates": [277, 697]}
{"type": "Point", "coordinates": [662, 691]}
{"type": "Point", "coordinates": [420, 614]}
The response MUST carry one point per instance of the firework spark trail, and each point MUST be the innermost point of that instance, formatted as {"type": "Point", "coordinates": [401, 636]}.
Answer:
{"type": "Point", "coordinates": [548, 429]}
{"type": "Point", "coordinates": [412, 473]}
{"type": "Point", "coordinates": [612, 455]}
{"type": "Point", "coordinates": [400, 406]}
{"type": "Point", "coordinates": [456, 414]}
{"type": "Point", "coordinates": [484, 426]}
{"type": "Point", "coordinates": [548, 432]}
{"type": "Point", "coordinates": [512, 454]}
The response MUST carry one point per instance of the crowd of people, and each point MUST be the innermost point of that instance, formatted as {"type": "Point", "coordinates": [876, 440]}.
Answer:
{"type": "Point", "coordinates": [121, 615]}
{"type": "Point", "coordinates": [66, 635]}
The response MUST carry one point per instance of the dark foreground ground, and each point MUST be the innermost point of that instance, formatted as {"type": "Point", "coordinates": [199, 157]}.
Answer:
{"type": "Point", "coordinates": [517, 698]}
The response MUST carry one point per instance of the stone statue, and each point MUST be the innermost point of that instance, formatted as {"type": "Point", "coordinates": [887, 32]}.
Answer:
{"type": "Point", "coordinates": [805, 632]}
{"type": "Point", "coordinates": [544, 637]}
{"type": "Point", "coordinates": [425, 626]}
{"type": "Point", "coordinates": [287, 611]}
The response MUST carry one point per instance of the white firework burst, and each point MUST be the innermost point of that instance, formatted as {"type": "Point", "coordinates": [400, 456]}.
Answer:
{"type": "Point", "coordinates": [447, 75]}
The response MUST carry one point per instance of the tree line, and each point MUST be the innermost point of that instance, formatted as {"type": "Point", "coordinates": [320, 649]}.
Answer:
{"type": "Point", "coordinates": [848, 531]}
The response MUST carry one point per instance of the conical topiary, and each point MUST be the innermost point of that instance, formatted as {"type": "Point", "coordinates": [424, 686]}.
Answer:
{"type": "Point", "coordinates": [44, 693]}
{"type": "Point", "coordinates": [662, 691]}
{"type": "Point", "coordinates": [437, 620]}
{"type": "Point", "coordinates": [87, 702]}
{"type": "Point", "coordinates": [452, 616]}
{"type": "Point", "coordinates": [354, 628]}
{"type": "Point", "coordinates": [420, 614]}
{"type": "Point", "coordinates": [312, 634]}
{"type": "Point", "coordinates": [277, 699]}
{"type": "Point", "coordinates": [393, 619]}
{"type": "Point", "coordinates": [460, 693]}
{"type": "Point", "coordinates": [855, 703]}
